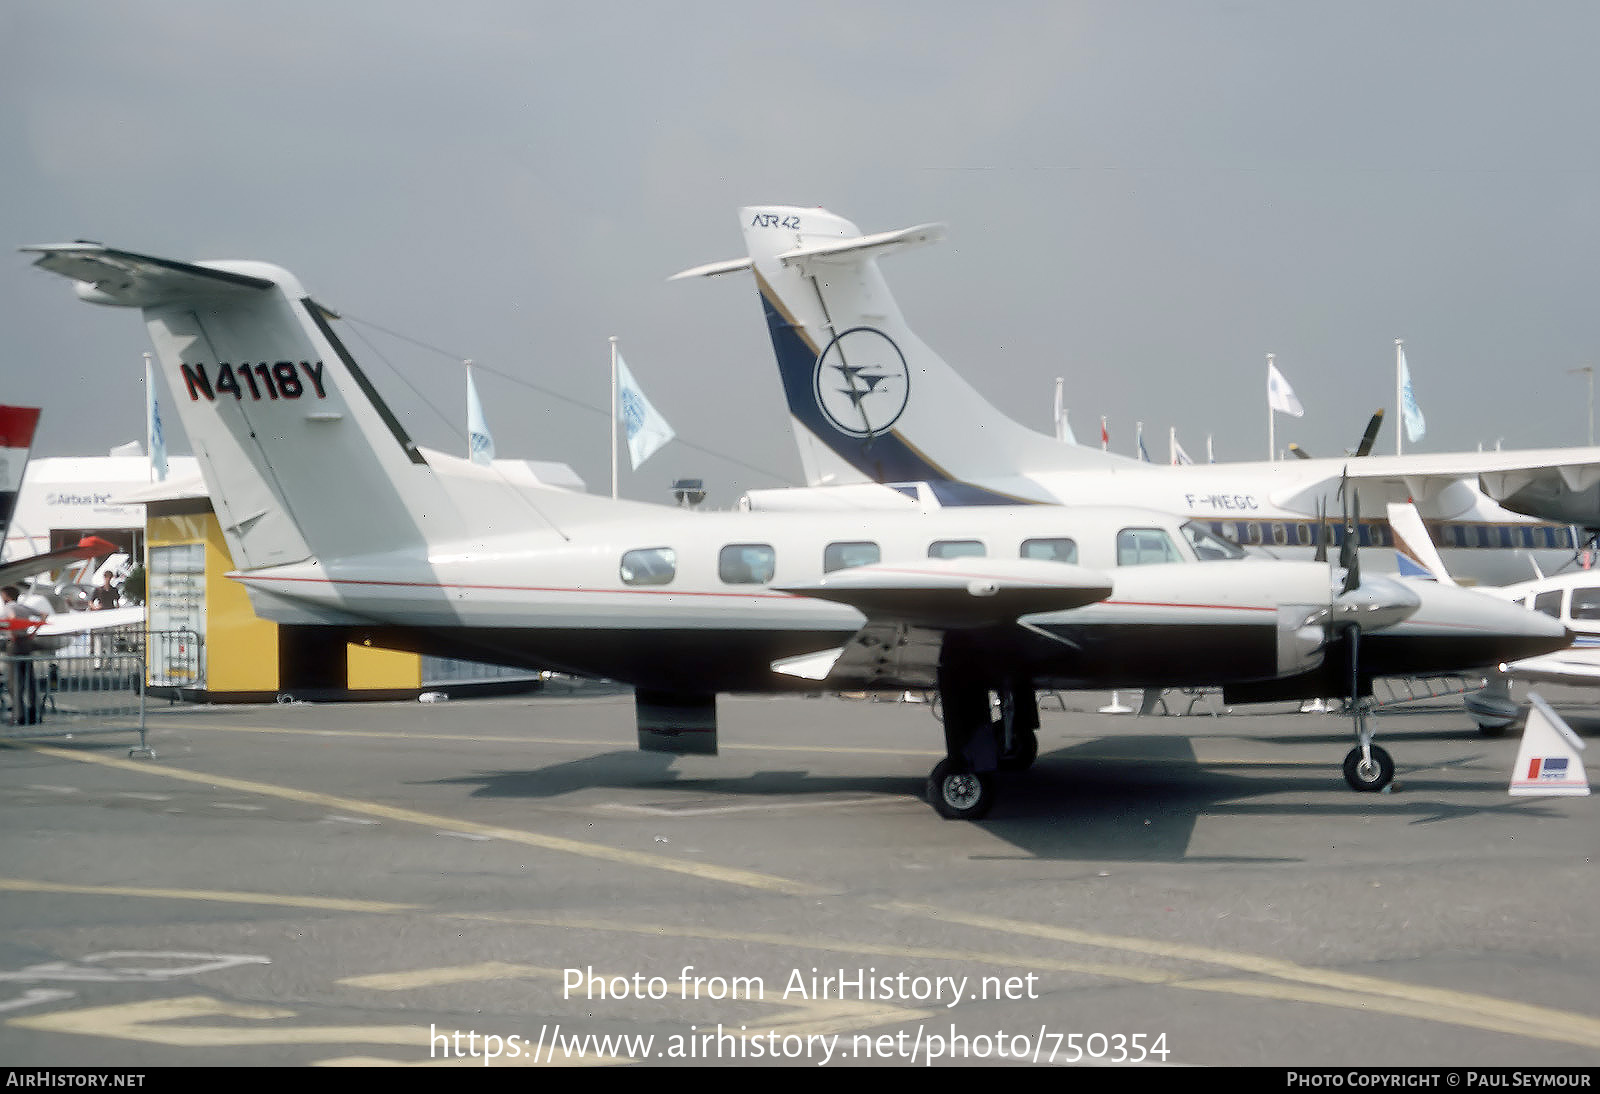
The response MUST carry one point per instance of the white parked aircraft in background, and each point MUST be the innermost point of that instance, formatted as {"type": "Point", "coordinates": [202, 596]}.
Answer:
{"type": "Point", "coordinates": [870, 402]}
{"type": "Point", "coordinates": [334, 517]}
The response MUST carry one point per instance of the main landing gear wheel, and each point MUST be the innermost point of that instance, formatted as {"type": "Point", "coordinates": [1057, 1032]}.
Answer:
{"type": "Point", "coordinates": [959, 794]}
{"type": "Point", "coordinates": [1368, 777]}
{"type": "Point", "coordinates": [1023, 753]}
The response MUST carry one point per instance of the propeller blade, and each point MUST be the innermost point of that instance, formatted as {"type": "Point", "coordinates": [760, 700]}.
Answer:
{"type": "Point", "coordinates": [1300, 452]}
{"type": "Point", "coordinates": [1371, 435]}
{"type": "Point", "coordinates": [1321, 554]}
{"type": "Point", "coordinates": [1350, 555]}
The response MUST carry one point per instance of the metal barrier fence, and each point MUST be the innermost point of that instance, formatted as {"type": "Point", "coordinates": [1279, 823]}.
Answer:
{"type": "Point", "coordinates": [94, 683]}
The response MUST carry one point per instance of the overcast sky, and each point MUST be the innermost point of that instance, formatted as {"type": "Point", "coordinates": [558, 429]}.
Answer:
{"type": "Point", "coordinates": [1144, 198]}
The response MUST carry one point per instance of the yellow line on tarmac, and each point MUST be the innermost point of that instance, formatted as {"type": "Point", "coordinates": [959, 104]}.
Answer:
{"type": "Point", "coordinates": [749, 879]}
{"type": "Point", "coordinates": [334, 904]}
{"type": "Point", "coordinates": [1324, 985]}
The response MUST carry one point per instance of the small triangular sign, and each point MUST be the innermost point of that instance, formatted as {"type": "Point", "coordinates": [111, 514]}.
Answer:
{"type": "Point", "coordinates": [1550, 760]}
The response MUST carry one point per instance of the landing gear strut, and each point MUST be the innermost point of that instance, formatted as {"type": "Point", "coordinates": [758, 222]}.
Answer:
{"type": "Point", "coordinates": [962, 785]}
{"type": "Point", "coordinates": [1367, 768]}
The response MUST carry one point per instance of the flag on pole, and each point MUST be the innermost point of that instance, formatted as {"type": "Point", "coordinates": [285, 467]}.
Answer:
{"type": "Point", "coordinates": [480, 445]}
{"type": "Point", "coordinates": [1105, 435]}
{"type": "Point", "coordinates": [1063, 427]}
{"type": "Point", "coordinates": [1280, 396]}
{"type": "Point", "coordinates": [1409, 410]}
{"type": "Point", "coordinates": [1144, 453]}
{"type": "Point", "coordinates": [157, 439]}
{"type": "Point", "coordinates": [1179, 456]}
{"type": "Point", "coordinates": [647, 429]}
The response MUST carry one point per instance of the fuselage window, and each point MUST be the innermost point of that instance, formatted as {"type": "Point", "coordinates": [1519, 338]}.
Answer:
{"type": "Point", "coordinates": [746, 564]}
{"type": "Point", "coordinates": [1145, 547]}
{"type": "Point", "coordinates": [956, 548]}
{"type": "Point", "coordinates": [1280, 535]}
{"type": "Point", "coordinates": [1252, 533]}
{"type": "Point", "coordinates": [1586, 603]}
{"type": "Point", "coordinates": [842, 556]}
{"type": "Point", "coordinates": [1051, 550]}
{"type": "Point", "coordinates": [649, 566]}
{"type": "Point", "coordinates": [1549, 603]}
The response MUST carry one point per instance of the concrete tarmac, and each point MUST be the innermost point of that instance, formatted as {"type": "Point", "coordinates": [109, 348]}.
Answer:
{"type": "Point", "coordinates": [506, 882]}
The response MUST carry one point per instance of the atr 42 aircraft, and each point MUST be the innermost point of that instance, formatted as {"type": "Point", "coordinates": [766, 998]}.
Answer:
{"type": "Point", "coordinates": [334, 517]}
{"type": "Point", "coordinates": [870, 402]}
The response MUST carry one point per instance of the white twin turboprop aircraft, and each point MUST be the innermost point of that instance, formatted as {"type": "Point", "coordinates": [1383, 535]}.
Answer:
{"type": "Point", "coordinates": [335, 517]}
{"type": "Point", "coordinates": [870, 402]}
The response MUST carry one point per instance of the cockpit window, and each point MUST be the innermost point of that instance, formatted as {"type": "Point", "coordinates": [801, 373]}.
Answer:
{"type": "Point", "coordinates": [1208, 546]}
{"type": "Point", "coordinates": [1549, 603]}
{"type": "Point", "coordinates": [1586, 603]}
{"type": "Point", "coordinates": [1145, 547]}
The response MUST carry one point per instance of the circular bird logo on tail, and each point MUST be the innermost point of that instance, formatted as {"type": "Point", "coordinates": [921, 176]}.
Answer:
{"type": "Point", "coordinates": [861, 382]}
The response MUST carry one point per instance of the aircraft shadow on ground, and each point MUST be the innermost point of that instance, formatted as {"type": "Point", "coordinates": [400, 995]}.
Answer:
{"type": "Point", "coordinates": [1117, 798]}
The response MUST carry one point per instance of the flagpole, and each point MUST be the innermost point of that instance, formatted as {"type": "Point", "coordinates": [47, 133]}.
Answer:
{"type": "Point", "coordinates": [1272, 441]}
{"type": "Point", "coordinates": [1399, 398]}
{"type": "Point", "coordinates": [613, 416]}
{"type": "Point", "coordinates": [149, 419]}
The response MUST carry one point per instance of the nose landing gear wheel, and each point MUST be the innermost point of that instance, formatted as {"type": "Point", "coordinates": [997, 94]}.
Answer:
{"type": "Point", "coordinates": [1368, 777]}
{"type": "Point", "coordinates": [959, 794]}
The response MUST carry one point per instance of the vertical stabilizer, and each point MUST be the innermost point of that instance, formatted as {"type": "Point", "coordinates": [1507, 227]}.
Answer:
{"type": "Point", "coordinates": [17, 424]}
{"type": "Point", "coordinates": [291, 436]}
{"type": "Point", "coordinates": [861, 386]}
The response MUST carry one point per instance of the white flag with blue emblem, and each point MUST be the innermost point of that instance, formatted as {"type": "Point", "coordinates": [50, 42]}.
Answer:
{"type": "Point", "coordinates": [157, 439]}
{"type": "Point", "coordinates": [1409, 410]}
{"type": "Point", "coordinates": [1280, 396]}
{"type": "Point", "coordinates": [480, 445]}
{"type": "Point", "coordinates": [647, 429]}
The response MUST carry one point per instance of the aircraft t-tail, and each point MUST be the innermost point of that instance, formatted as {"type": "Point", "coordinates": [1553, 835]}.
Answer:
{"type": "Point", "coordinates": [336, 518]}
{"type": "Point", "coordinates": [871, 402]}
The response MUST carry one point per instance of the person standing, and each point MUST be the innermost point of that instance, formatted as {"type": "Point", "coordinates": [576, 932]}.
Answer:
{"type": "Point", "coordinates": [20, 621]}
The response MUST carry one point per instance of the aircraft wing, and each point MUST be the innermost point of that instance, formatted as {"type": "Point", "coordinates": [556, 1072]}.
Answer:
{"type": "Point", "coordinates": [88, 547]}
{"type": "Point", "coordinates": [909, 608]}
{"type": "Point", "coordinates": [63, 624]}
{"type": "Point", "coordinates": [1555, 484]}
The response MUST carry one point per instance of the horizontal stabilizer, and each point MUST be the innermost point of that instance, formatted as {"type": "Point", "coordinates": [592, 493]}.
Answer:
{"type": "Point", "coordinates": [88, 547]}
{"type": "Point", "coordinates": [839, 251]}
{"type": "Point", "coordinates": [712, 269]}
{"type": "Point", "coordinates": [963, 592]}
{"type": "Point", "coordinates": [125, 279]}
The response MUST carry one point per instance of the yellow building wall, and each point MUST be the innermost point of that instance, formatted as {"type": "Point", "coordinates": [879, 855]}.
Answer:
{"type": "Point", "coordinates": [241, 649]}
{"type": "Point", "coordinates": [375, 668]}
